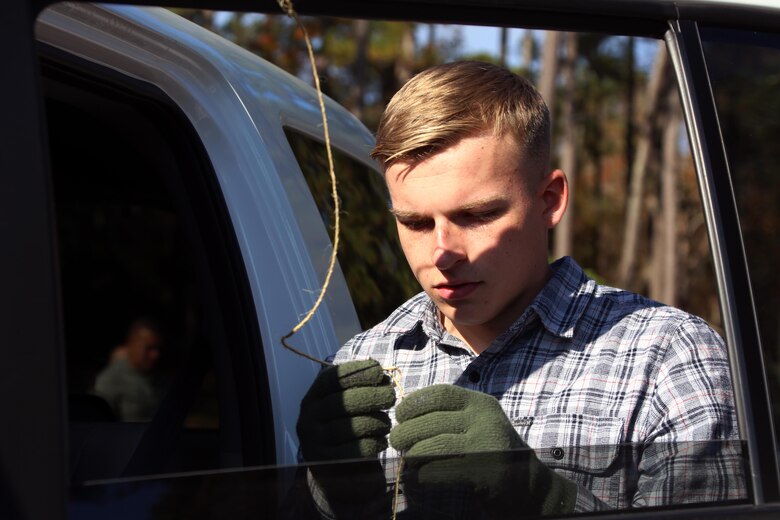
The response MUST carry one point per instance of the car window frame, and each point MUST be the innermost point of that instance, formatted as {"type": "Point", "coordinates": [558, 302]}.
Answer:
{"type": "Point", "coordinates": [31, 298]}
{"type": "Point", "coordinates": [712, 38]}
{"type": "Point", "coordinates": [32, 294]}
{"type": "Point", "coordinates": [239, 365]}
{"type": "Point", "coordinates": [736, 299]}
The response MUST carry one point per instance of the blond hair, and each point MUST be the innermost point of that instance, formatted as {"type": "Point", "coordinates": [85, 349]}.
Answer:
{"type": "Point", "coordinates": [442, 105]}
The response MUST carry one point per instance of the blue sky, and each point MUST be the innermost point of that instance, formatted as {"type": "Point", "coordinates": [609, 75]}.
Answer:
{"type": "Point", "coordinates": [481, 39]}
{"type": "Point", "coordinates": [488, 39]}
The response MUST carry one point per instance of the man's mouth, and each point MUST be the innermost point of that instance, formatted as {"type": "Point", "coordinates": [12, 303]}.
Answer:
{"type": "Point", "coordinates": [454, 290]}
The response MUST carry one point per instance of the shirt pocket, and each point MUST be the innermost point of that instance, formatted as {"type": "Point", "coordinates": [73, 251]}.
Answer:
{"type": "Point", "coordinates": [573, 442]}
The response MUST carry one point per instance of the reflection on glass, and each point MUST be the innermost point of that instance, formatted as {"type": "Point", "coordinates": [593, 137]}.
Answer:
{"type": "Point", "coordinates": [136, 341]}
{"type": "Point", "coordinates": [440, 487]}
{"type": "Point", "coordinates": [744, 70]}
{"type": "Point", "coordinates": [496, 484]}
{"type": "Point", "coordinates": [376, 271]}
{"type": "Point", "coordinates": [124, 383]}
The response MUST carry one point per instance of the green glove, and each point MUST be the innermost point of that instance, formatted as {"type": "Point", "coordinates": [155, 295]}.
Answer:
{"type": "Point", "coordinates": [342, 414]}
{"type": "Point", "coordinates": [453, 437]}
{"type": "Point", "coordinates": [343, 417]}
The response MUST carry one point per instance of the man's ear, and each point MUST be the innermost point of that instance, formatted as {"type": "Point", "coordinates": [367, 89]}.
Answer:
{"type": "Point", "coordinates": [554, 193]}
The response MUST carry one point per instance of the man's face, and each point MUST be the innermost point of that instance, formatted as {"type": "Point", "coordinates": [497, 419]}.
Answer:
{"type": "Point", "coordinates": [143, 349]}
{"type": "Point", "coordinates": [473, 222]}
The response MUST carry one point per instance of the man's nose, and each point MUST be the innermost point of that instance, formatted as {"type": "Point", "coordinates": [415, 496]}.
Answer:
{"type": "Point", "coordinates": [448, 249]}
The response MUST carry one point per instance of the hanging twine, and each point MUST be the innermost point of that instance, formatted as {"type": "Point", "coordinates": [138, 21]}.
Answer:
{"type": "Point", "coordinates": [393, 372]}
{"type": "Point", "coordinates": [287, 7]}
{"type": "Point", "coordinates": [395, 375]}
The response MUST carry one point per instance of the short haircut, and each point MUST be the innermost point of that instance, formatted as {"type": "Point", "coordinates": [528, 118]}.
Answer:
{"type": "Point", "coordinates": [142, 323]}
{"type": "Point", "coordinates": [446, 103]}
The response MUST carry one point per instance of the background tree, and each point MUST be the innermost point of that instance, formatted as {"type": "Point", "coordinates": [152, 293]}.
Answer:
{"type": "Point", "coordinates": [563, 234]}
{"type": "Point", "coordinates": [639, 169]}
{"type": "Point", "coordinates": [635, 218]}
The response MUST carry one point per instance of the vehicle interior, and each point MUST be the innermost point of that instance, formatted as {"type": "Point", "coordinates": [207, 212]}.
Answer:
{"type": "Point", "coordinates": [137, 238]}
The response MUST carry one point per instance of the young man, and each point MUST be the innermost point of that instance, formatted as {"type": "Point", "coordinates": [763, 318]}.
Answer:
{"type": "Point", "coordinates": [622, 401]}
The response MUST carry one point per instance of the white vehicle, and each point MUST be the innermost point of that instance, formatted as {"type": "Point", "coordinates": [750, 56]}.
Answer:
{"type": "Point", "coordinates": [186, 176]}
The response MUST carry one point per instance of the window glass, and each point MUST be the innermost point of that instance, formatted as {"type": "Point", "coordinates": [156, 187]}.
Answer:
{"type": "Point", "coordinates": [136, 349]}
{"type": "Point", "coordinates": [743, 69]}
{"type": "Point", "coordinates": [635, 221]}
{"type": "Point", "coordinates": [570, 421]}
{"type": "Point", "coordinates": [374, 266]}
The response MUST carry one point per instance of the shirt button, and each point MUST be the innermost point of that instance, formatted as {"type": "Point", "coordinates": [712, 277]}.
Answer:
{"type": "Point", "coordinates": [474, 376]}
{"type": "Point", "coordinates": [557, 453]}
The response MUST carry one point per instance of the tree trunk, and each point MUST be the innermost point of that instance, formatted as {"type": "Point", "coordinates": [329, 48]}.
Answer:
{"type": "Point", "coordinates": [527, 50]}
{"type": "Point", "coordinates": [503, 47]}
{"type": "Point", "coordinates": [667, 254]}
{"type": "Point", "coordinates": [238, 30]}
{"type": "Point", "coordinates": [563, 232]}
{"type": "Point", "coordinates": [630, 99]}
{"type": "Point", "coordinates": [431, 36]}
{"type": "Point", "coordinates": [359, 68]}
{"type": "Point", "coordinates": [404, 65]}
{"type": "Point", "coordinates": [549, 70]}
{"type": "Point", "coordinates": [639, 168]}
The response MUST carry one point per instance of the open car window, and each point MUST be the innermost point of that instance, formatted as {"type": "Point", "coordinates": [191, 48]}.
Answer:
{"type": "Point", "coordinates": [635, 222]}
{"type": "Point", "coordinates": [142, 230]}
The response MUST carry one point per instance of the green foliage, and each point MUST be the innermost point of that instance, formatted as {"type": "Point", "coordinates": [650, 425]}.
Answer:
{"type": "Point", "coordinates": [370, 256]}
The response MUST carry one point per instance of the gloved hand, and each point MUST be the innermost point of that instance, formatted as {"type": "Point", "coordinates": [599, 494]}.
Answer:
{"type": "Point", "coordinates": [452, 437]}
{"type": "Point", "coordinates": [343, 417]}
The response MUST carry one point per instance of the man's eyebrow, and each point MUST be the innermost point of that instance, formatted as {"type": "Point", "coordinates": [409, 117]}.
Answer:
{"type": "Point", "coordinates": [475, 205]}
{"type": "Point", "coordinates": [481, 204]}
{"type": "Point", "coordinates": [405, 215]}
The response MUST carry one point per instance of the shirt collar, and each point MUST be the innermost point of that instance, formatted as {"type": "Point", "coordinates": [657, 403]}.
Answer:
{"type": "Point", "coordinates": [431, 322]}
{"type": "Point", "coordinates": [562, 301]}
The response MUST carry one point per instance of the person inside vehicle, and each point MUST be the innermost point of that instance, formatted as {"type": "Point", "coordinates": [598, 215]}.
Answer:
{"type": "Point", "coordinates": [124, 383]}
{"type": "Point", "coordinates": [523, 386]}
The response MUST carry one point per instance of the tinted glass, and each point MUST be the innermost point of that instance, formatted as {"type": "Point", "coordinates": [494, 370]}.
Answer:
{"type": "Point", "coordinates": [142, 397]}
{"type": "Point", "coordinates": [635, 222]}
{"type": "Point", "coordinates": [370, 256]}
{"type": "Point", "coordinates": [745, 75]}
{"type": "Point", "coordinates": [575, 435]}
{"type": "Point", "coordinates": [437, 487]}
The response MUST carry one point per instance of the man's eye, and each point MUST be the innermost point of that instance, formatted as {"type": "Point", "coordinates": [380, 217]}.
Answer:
{"type": "Point", "coordinates": [482, 218]}
{"type": "Point", "coordinates": [486, 216]}
{"type": "Point", "coordinates": [416, 225]}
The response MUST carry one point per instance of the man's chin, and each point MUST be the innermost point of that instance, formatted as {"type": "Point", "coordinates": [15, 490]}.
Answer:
{"type": "Point", "coordinates": [461, 315]}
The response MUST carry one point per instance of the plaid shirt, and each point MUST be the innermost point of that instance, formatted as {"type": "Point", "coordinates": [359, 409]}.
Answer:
{"type": "Point", "coordinates": [616, 392]}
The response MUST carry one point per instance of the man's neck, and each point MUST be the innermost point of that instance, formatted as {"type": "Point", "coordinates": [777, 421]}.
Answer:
{"type": "Point", "coordinates": [478, 339]}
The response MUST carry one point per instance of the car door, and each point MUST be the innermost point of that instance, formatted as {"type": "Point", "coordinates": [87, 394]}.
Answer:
{"type": "Point", "coordinates": [33, 327]}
